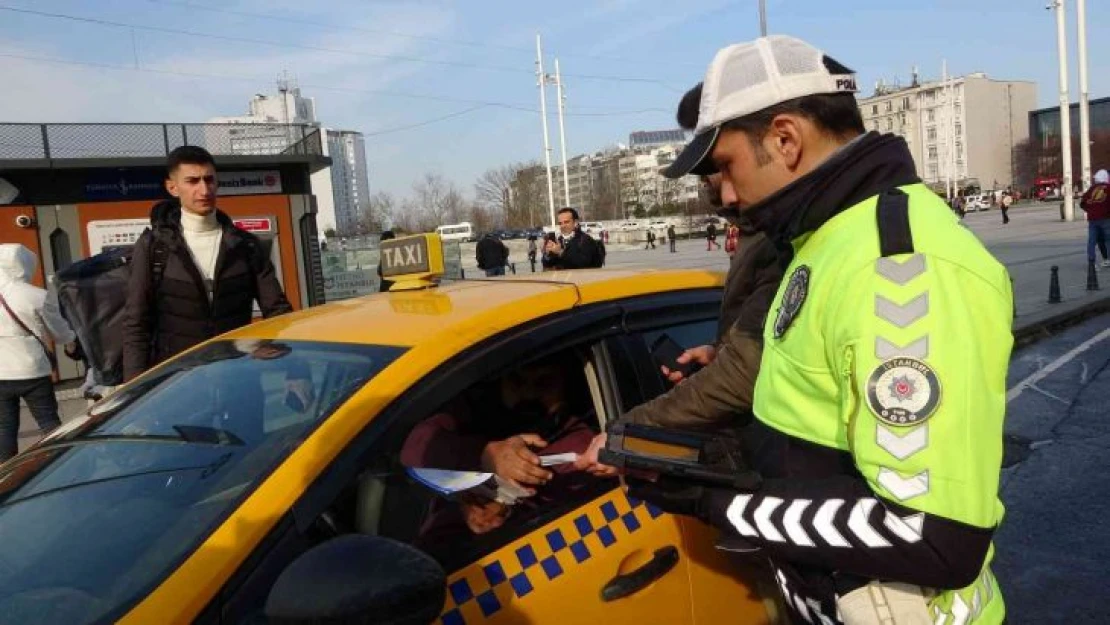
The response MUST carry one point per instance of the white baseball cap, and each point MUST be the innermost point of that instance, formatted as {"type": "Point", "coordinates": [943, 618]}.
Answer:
{"type": "Point", "coordinates": [745, 78]}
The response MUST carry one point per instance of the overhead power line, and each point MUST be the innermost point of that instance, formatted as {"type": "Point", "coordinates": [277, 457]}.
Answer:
{"type": "Point", "coordinates": [394, 33]}
{"type": "Point", "coordinates": [312, 48]}
{"type": "Point", "coordinates": [380, 92]}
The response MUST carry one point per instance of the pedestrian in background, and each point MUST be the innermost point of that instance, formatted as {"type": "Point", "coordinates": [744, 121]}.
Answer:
{"type": "Point", "coordinates": [711, 237]}
{"type": "Point", "coordinates": [194, 274]}
{"type": "Point", "coordinates": [383, 284]}
{"type": "Point", "coordinates": [533, 249]}
{"type": "Point", "coordinates": [1096, 203]}
{"type": "Point", "coordinates": [650, 239]}
{"type": "Point", "coordinates": [671, 237]}
{"type": "Point", "coordinates": [1004, 203]}
{"type": "Point", "coordinates": [27, 315]}
{"type": "Point", "coordinates": [732, 239]}
{"type": "Point", "coordinates": [571, 248]}
{"type": "Point", "coordinates": [492, 255]}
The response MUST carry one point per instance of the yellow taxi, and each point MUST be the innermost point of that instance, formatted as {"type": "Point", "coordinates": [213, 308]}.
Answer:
{"type": "Point", "coordinates": [210, 489]}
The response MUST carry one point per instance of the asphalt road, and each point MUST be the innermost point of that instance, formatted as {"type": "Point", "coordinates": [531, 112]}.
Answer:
{"type": "Point", "coordinates": [1053, 549]}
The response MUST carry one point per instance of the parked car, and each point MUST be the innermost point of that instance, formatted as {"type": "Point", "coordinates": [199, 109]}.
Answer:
{"type": "Point", "coordinates": [979, 202]}
{"type": "Point", "coordinates": [258, 464]}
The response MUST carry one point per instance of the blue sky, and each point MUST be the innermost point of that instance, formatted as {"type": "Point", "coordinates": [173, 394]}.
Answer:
{"type": "Point", "coordinates": [625, 63]}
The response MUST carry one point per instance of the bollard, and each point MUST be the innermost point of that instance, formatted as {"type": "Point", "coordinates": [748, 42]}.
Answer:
{"type": "Point", "coordinates": [1054, 286]}
{"type": "Point", "coordinates": [1092, 277]}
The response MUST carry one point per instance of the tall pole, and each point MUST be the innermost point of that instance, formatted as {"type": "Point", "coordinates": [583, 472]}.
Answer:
{"type": "Point", "coordinates": [1084, 109]}
{"type": "Point", "coordinates": [1065, 110]}
{"type": "Point", "coordinates": [546, 142]}
{"type": "Point", "coordinates": [946, 128]}
{"type": "Point", "coordinates": [562, 133]}
{"type": "Point", "coordinates": [762, 18]}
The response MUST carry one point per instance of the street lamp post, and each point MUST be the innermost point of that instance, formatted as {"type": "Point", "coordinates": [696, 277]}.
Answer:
{"type": "Point", "coordinates": [762, 18]}
{"type": "Point", "coordinates": [1065, 108]}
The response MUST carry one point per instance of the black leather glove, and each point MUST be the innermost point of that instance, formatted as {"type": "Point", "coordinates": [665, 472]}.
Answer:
{"type": "Point", "coordinates": [672, 495]}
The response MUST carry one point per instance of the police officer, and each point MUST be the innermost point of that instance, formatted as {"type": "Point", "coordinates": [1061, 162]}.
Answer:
{"type": "Point", "coordinates": [880, 398]}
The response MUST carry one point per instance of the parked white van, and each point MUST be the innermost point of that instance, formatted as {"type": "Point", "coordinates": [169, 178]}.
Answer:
{"type": "Point", "coordinates": [456, 232]}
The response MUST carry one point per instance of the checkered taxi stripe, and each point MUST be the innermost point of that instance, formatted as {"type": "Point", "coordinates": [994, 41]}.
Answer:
{"type": "Point", "coordinates": [543, 557]}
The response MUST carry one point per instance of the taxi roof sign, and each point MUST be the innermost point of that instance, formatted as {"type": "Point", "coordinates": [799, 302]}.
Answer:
{"type": "Point", "coordinates": [412, 262]}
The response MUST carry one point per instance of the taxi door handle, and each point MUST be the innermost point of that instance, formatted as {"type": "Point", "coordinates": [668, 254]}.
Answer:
{"type": "Point", "coordinates": [621, 586]}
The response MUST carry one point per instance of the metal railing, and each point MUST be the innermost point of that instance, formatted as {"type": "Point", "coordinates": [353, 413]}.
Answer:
{"type": "Point", "coordinates": [62, 141]}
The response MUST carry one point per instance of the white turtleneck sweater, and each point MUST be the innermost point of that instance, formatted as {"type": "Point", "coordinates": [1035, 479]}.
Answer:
{"type": "Point", "coordinates": [202, 236]}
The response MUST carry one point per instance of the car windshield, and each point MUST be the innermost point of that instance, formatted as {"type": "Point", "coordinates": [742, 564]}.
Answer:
{"type": "Point", "coordinates": [104, 509]}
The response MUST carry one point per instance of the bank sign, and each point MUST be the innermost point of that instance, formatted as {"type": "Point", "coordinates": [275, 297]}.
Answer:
{"type": "Point", "coordinates": [249, 182]}
{"type": "Point", "coordinates": [150, 185]}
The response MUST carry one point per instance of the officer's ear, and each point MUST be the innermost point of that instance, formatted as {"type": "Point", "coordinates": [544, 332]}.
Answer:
{"type": "Point", "coordinates": [786, 140]}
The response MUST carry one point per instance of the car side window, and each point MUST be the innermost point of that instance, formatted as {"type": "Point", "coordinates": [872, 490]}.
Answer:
{"type": "Point", "coordinates": [639, 376]}
{"type": "Point", "coordinates": [438, 493]}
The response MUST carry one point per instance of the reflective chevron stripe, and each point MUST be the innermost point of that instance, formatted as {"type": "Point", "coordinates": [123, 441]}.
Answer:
{"type": "Point", "coordinates": [901, 272]}
{"type": "Point", "coordinates": [902, 315]}
{"type": "Point", "coordinates": [795, 529]}
{"type": "Point", "coordinates": [902, 447]}
{"type": "Point", "coordinates": [792, 521]}
{"type": "Point", "coordinates": [735, 515]}
{"type": "Point", "coordinates": [858, 523]}
{"type": "Point", "coordinates": [904, 488]}
{"type": "Point", "coordinates": [763, 519]}
{"type": "Point", "coordinates": [823, 523]}
{"type": "Point", "coordinates": [885, 350]}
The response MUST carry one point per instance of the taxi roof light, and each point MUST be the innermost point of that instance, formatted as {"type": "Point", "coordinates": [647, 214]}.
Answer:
{"type": "Point", "coordinates": [413, 262]}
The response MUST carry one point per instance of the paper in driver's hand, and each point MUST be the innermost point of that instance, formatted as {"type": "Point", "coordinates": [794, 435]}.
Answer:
{"type": "Point", "coordinates": [556, 459]}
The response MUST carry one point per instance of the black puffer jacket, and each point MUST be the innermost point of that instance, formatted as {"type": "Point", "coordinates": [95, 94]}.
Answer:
{"type": "Point", "coordinates": [165, 319]}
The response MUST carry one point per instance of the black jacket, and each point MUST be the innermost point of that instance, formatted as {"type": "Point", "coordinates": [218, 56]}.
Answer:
{"type": "Point", "coordinates": [165, 319]}
{"type": "Point", "coordinates": [580, 251]}
{"type": "Point", "coordinates": [491, 253]}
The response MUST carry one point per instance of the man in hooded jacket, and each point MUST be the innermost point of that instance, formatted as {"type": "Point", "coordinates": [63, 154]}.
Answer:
{"type": "Point", "coordinates": [27, 315]}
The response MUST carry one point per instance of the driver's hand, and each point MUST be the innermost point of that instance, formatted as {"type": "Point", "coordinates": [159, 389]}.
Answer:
{"type": "Point", "coordinates": [482, 517]}
{"type": "Point", "coordinates": [702, 355]}
{"type": "Point", "coordinates": [513, 459]}
{"type": "Point", "coordinates": [589, 462]}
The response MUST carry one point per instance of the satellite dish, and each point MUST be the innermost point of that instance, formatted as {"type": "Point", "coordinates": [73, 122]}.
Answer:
{"type": "Point", "coordinates": [8, 192]}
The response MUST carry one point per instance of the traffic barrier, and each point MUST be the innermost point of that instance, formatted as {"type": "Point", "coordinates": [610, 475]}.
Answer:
{"type": "Point", "coordinates": [1054, 286]}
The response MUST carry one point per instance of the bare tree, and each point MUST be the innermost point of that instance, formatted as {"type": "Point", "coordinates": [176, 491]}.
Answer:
{"type": "Point", "coordinates": [494, 189]}
{"type": "Point", "coordinates": [382, 206]}
{"type": "Point", "coordinates": [528, 190]}
{"type": "Point", "coordinates": [482, 219]}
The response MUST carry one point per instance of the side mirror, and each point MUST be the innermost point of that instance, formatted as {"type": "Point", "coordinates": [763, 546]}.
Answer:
{"type": "Point", "coordinates": [358, 579]}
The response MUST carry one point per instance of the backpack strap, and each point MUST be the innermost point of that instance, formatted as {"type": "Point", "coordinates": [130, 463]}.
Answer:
{"type": "Point", "coordinates": [159, 255]}
{"type": "Point", "coordinates": [893, 215]}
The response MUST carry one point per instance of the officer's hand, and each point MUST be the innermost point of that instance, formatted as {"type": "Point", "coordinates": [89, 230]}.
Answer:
{"type": "Point", "coordinates": [553, 247]}
{"type": "Point", "coordinates": [671, 495]}
{"type": "Point", "coordinates": [702, 355]}
{"type": "Point", "coordinates": [513, 459]}
{"type": "Point", "coordinates": [589, 461]}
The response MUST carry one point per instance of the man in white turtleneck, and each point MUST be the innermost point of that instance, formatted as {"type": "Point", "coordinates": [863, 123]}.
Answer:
{"type": "Point", "coordinates": [194, 274]}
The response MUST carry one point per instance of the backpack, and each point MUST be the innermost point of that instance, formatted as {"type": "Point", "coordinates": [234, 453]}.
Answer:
{"type": "Point", "coordinates": [92, 295]}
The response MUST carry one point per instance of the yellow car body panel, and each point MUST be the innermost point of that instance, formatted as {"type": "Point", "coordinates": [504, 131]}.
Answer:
{"type": "Point", "coordinates": [438, 324]}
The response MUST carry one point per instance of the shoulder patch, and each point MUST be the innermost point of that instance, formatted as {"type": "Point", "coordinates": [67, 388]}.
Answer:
{"type": "Point", "coordinates": [903, 392]}
{"type": "Point", "coordinates": [792, 299]}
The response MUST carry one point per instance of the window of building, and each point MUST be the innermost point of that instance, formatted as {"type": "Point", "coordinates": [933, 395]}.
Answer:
{"type": "Point", "coordinates": [874, 109]}
{"type": "Point", "coordinates": [931, 134]}
{"type": "Point", "coordinates": [931, 116]}
{"type": "Point", "coordinates": [933, 172]}
{"type": "Point", "coordinates": [959, 130]}
{"type": "Point", "coordinates": [905, 104]}
{"type": "Point", "coordinates": [932, 152]}
{"type": "Point", "coordinates": [959, 147]}
{"type": "Point", "coordinates": [889, 106]}
{"type": "Point", "coordinates": [890, 123]}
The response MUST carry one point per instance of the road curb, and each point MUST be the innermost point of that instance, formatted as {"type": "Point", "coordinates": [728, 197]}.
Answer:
{"type": "Point", "coordinates": [1053, 324]}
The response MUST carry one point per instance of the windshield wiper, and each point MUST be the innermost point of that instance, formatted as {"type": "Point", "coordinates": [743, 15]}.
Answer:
{"type": "Point", "coordinates": [197, 434]}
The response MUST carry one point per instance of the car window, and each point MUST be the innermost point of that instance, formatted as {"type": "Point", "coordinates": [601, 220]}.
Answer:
{"type": "Point", "coordinates": [456, 512]}
{"type": "Point", "coordinates": [637, 374]}
{"type": "Point", "coordinates": [156, 467]}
